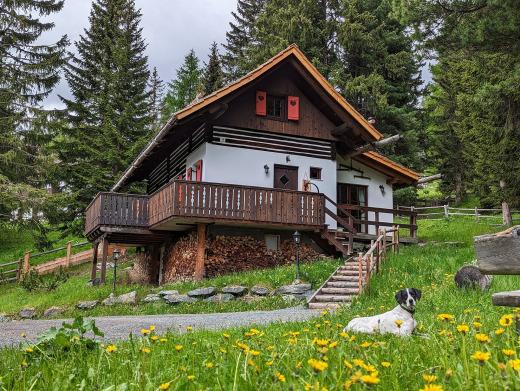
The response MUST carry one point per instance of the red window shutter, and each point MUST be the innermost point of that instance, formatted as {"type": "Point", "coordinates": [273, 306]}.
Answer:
{"type": "Point", "coordinates": [188, 174]}
{"type": "Point", "coordinates": [198, 171]}
{"type": "Point", "coordinates": [261, 103]}
{"type": "Point", "coordinates": [293, 108]}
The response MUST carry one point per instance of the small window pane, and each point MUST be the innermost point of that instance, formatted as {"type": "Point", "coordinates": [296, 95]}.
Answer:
{"type": "Point", "coordinates": [315, 173]}
{"type": "Point", "coordinates": [272, 242]}
{"type": "Point", "coordinates": [275, 106]}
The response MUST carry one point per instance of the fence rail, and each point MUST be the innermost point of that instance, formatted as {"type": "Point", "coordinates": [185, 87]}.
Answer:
{"type": "Point", "coordinates": [446, 211]}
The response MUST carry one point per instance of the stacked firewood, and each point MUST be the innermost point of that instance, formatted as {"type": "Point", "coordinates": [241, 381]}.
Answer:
{"type": "Point", "coordinates": [226, 254]}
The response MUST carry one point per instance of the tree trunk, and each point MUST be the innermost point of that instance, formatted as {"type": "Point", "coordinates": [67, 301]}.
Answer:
{"type": "Point", "coordinates": [506, 213]}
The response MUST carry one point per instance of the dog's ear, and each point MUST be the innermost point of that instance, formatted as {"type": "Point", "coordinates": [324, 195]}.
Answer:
{"type": "Point", "coordinates": [401, 296]}
{"type": "Point", "coordinates": [416, 293]}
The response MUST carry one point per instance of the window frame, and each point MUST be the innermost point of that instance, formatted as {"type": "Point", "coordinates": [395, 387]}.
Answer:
{"type": "Point", "coordinates": [319, 170]}
{"type": "Point", "coordinates": [283, 108]}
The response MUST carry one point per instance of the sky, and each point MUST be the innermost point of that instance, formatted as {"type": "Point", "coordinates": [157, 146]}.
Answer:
{"type": "Point", "coordinates": [170, 28]}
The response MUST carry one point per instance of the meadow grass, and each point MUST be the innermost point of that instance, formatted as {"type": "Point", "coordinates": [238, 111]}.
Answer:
{"type": "Point", "coordinates": [316, 355]}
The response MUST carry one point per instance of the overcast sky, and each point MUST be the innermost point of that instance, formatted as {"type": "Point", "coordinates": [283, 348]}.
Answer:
{"type": "Point", "coordinates": [170, 28]}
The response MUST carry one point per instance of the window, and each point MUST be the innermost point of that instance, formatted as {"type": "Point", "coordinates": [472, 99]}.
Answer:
{"type": "Point", "coordinates": [276, 107]}
{"type": "Point", "coordinates": [272, 242]}
{"type": "Point", "coordinates": [315, 173]}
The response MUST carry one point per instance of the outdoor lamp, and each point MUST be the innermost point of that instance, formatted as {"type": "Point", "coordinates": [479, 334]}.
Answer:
{"type": "Point", "coordinates": [382, 188]}
{"type": "Point", "coordinates": [116, 254]}
{"type": "Point", "coordinates": [266, 169]}
{"type": "Point", "coordinates": [297, 237]}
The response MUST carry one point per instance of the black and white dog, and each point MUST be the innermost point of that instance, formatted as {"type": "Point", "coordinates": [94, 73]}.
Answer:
{"type": "Point", "coordinates": [398, 321]}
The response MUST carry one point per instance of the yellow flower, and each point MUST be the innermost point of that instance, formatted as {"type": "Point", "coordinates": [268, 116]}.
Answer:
{"type": "Point", "coordinates": [333, 344]}
{"type": "Point", "coordinates": [209, 365]}
{"type": "Point", "coordinates": [445, 317]}
{"type": "Point", "coordinates": [481, 357]}
{"type": "Point", "coordinates": [506, 320]}
{"type": "Point", "coordinates": [111, 348]}
{"type": "Point", "coordinates": [151, 328]}
{"type": "Point", "coordinates": [178, 347]}
{"type": "Point", "coordinates": [343, 334]}
{"type": "Point", "coordinates": [269, 363]}
{"type": "Point", "coordinates": [508, 352]}
{"type": "Point", "coordinates": [318, 365]}
{"type": "Point", "coordinates": [321, 342]}
{"type": "Point", "coordinates": [164, 386]}
{"type": "Point", "coordinates": [385, 364]}
{"type": "Point", "coordinates": [191, 377]}
{"type": "Point", "coordinates": [398, 323]}
{"type": "Point", "coordinates": [225, 335]}
{"type": "Point", "coordinates": [189, 328]}
{"type": "Point", "coordinates": [499, 331]}
{"type": "Point", "coordinates": [429, 378]}
{"type": "Point", "coordinates": [515, 364]}
{"type": "Point", "coordinates": [482, 337]}
{"type": "Point", "coordinates": [367, 344]}
{"type": "Point", "coordinates": [254, 353]}
{"type": "Point", "coordinates": [477, 325]}
{"type": "Point", "coordinates": [243, 346]}
{"type": "Point", "coordinates": [154, 338]}
{"type": "Point", "coordinates": [370, 379]}
{"type": "Point", "coordinates": [323, 350]}
{"type": "Point", "coordinates": [501, 366]}
{"type": "Point", "coordinates": [449, 372]}
{"type": "Point", "coordinates": [462, 328]}
{"type": "Point", "coordinates": [145, 331]}
{"type": "Point", "coordinates": [432, 387]}
{"type": "Point", "coordinates": [163, 340]}
{"type": "Point", "coordinates": [280, 377]}
{"type": "Point", "coordinates": [145, 350]}
{"type": "Point", "coordinates": [29, 350]}
{"type": "Point", "coordinates": [347, 364]}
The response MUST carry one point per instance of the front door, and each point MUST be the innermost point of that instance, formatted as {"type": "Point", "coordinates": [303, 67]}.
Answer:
{"type": "Point", "coordinates": [285, 177]}
{"type": "Point", "coordinates": [354, 195]}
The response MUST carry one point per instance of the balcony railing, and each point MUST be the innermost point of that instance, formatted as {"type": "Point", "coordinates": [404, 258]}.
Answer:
{"type": "Point", "coordinates": [207, 202]}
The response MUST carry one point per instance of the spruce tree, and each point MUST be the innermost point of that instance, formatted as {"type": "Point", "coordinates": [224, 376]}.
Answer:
{"type": "Point", "coordinates": [240, 38]}
{"type": "Point", "coordinates": [108, 114]}
{"type": "Point", "coordinates": [28, 72]}
{"type": "Point", "coordinates": [185, 87]}
{"type": "Point", "coordinates": [213, 77]}
{"type": "Point", "coordinates": [156, 88]}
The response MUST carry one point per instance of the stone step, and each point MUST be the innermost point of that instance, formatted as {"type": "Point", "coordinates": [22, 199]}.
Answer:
{"type": "Point", "coordinates": [324, 306]}
{"type": "Point", "coordinates": [337, 277]}
{"type": "Point", "coordinates": [332, 298]}
{"type": "Point", "coordinates": [351, 267]}
{"type": "Point", "coordinates": [339, 291]}
{"type": "Point", "coordinates": [342, 284]}
{"type": "Point", "coordinates": [348, 272]}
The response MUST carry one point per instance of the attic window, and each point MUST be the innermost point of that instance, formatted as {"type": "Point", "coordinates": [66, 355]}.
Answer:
{"type": "Point", "coordinates": [276, 107]}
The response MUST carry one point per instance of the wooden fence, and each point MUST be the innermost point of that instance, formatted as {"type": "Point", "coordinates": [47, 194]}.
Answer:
{"type": "Point", "coordinates": [15, 269]}
{"type": "Point", "coordinates": [445, 212]}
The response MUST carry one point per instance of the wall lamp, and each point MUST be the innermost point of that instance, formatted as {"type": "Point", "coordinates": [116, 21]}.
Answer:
{"type": "Point", "coordinates": [266, 169]}
{"type": "Point", "coordinates": [382, 188]}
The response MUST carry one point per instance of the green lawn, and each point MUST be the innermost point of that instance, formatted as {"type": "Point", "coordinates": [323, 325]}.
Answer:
{"type": "Point", "coordinates": [315, 355]}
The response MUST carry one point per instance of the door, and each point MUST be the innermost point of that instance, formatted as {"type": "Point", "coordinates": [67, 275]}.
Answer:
{"type": "Point", "coordinates": [354, 195]}
{"type": "Point", "coordinates": [285, 177]}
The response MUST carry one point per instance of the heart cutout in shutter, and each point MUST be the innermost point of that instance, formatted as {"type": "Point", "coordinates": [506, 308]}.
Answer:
{"type": "Point", "coordinates": [260, 98]}
{"type": "Point", "coordinates": [292, 103]}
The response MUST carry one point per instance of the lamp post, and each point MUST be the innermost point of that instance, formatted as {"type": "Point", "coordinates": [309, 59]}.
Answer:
{"type": "Point", "coordinates": [297, 237]}
{"type": "Point", "coordinates": [115, 256]}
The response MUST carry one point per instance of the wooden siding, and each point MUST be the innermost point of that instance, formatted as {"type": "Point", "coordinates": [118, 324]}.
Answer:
{"type": "Point", "coordinates": [271, 142]}
{"type": "Point", "coordinates": [211, 202]}
{"type": "Point", "coordinates": [312, 122]}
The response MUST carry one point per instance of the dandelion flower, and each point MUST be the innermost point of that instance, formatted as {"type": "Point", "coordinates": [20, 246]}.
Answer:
{"type": "Point", "coordinates": [481, 357]}
{"type": "Point", "coordinates": [209, 365]}
{"type": "Point", "coordinates": [462, 328]}
{"type": "Point", "coordinates": [164, 386]}
{"type": "Point", "coordinates": [254, 353]}
{"type": "Point", "coordinates": [111, 348]}
{"type": "Point", "coordinates": [343, 334]}
{"type": "Point", "coordinates": [445, 317]}
{"type": "Point", "coordinates": [269, 363]}
{"type": "Point", "coordinates": [189, 328]}
{"type": "Point", "coordinates": [154, 338]}
{"type": "Point", "coordinates": [178, 347]}
{"type": "Point", "coordinates": [508, 352]}
{"type": "Point", "coordinates": [280, 377]}
{"type": "Point", "coordinates": [145, 350]}
{"type": "Point", "coordinates": [477, 325]}
{"type": "Point", "coordinates": [163, 340]}
{"type": "Point", "coordinates": [370, 379]}
{"type": "Point", "coordinates": [499, 331]}
{"type": "Point", "coordinates": [367, 344]}
{"type": "Point", "coordinates": [151, 328]}
{"type": "Point", "coordinates": [506, 320]}
{"type": "Point", "coordinates": [482, 337]}
{"type": "Point", "coordinates": [432, 387]}
{"type": "Point", "coordinates": [29, 350]}
{"type": "Point", "coordinates": [515, 364]}
{"type": "Point", "coordinates": [191, 377]}
{"type": "Point", "coordinates": [321, 342]}
{"type": "Point", "coordinates": [385, 364]}
{"type": "Point", "coordinates": [318, 365]}
{"type": "Point", "coordinates": [429, 378]}
{"type": "Point", "coordinates": [145, 331]}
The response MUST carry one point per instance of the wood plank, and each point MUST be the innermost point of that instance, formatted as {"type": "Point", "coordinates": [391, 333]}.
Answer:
{"type": "Point", "coordinates": [499, 253]}
{"type": "Point", "coordinates": [506, 299]}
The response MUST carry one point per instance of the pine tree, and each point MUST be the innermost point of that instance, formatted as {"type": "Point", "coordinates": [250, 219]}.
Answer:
{"type": "Point", "coordinates": [239, 39]}
{"type": "Point", "coordinates": [108, 114]}
{"type": "Point", "coordinates": [28, 72]}
{"type": "Point", "coordinates": [378, 72]}
{"type": "Point", "coordinates": [184, 88]}
{"type": "Point", "coordinates": [213, 77]}
{"type": "Point", "coordinates": [156, 88]}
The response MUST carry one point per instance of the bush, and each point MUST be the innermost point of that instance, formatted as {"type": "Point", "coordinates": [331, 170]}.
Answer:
{"type": "Point", "coordinates": [405, 196]}
{"type": "Point", "coordinates": [32, 281]}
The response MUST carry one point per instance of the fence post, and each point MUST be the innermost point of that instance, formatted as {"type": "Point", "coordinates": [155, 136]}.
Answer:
{"type": "Point", "coordinates": [369, 262]}
{"type": "Point", "coordinates": [26, 262]}
{"type": "Point", "coordinates": [384, 244]}
{"type": "Point", "coordinates": [394, 237]}
{"type": "Point", "coordinates": [446, 212]}
{"type": "Point", "coordinates": [69, 253]}
{"type": "Point", "coordinates": [476, 214]}
{"type": "Point", "coordinates": [398, 234]}
{"type": "Point", "coordinates": [360, 268]}
{"type": "Point", "coordinates": [413, 220]}
{"type": "Point", "coordinates": [378, 249]}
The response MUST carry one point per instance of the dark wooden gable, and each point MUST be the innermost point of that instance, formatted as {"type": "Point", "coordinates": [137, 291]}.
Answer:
{"type": "Point", "coordinates": [312, 122]}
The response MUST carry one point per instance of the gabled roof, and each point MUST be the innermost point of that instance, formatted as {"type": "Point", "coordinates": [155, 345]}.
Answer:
{"type": "Point", "coordinates": [389, 167]}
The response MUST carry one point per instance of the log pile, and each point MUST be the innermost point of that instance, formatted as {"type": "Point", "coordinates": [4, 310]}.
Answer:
{"type": "Point", "coordinates": [142, 272]}
{"type": "Point", "coordinates": [227, 254]}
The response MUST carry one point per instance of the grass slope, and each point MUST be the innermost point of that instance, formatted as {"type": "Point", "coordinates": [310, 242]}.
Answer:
{"type": "Point", "coordinates": [315, 355]}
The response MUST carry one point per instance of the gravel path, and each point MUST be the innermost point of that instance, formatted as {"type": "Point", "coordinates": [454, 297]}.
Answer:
{"type": "Point", "coordinates": [119, 327]}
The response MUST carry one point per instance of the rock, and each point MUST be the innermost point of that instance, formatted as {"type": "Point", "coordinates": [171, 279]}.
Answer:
{"type": "Point", "coordinates": [110, 265]}
{"type": "Point", "coordinates": [87, 305]}
{"type": "Point", "coordinates": [177, 299]}
{"type": "Point", "coordinates": [201, 293]}
{"type": "Point", "coordinates": [4, 318]}
{"type": "Point", "coordinates": [220, 297]}
{"type": "Point", "coordinates": [235, 290]}
{"type": "Point", "coordinates": [127, 298]}
{"type": "Point", "coordinates": [294, 289]}
{"type": "Point", "coordinates": [259, 291]}
{"type": "Point", "coordinates": [28, 313]}
{"type": "Point", "coordinates": [94, 282]}
{"type": "Point", "coordinates": [166, 293]}
{"type": "Point", "coordinates": [151, 298]}
{"type": "Point", "coordinates": [52, 311]}
{"type": "Point", "coordinates": [251, 298]}
{"type": "Point", "coordinates": [470, 277]}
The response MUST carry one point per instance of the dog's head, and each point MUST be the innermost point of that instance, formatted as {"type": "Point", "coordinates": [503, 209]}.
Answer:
{"type": "Point", "coordinates": [407, 298]}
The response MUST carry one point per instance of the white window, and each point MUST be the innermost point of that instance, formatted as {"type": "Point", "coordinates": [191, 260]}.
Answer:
{"type": "Point", "coordinates": [272, 242]}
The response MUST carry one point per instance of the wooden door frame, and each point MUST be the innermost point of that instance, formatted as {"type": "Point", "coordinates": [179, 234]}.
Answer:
{"type": "Point", "coordinates": [356, 185]}
{"type": "Point", "coordinates": [284, 166]}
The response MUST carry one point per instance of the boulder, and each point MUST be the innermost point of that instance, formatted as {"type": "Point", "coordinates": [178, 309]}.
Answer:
{"type": "Point", "coordinates": [94, 282]}
{"type": "Point", "coordinates": [294, 289]}
{"type": "Point", "coordinates": [259, 291]}
{"type": "Point", "coordinates": [151, 298]}
{"type": "Point", "coordinates": [177, 299]}
{"type": "Point", "coordinates": [470, 277]}
{"type": "Point", "coordinates": [220, 297]}
{"type": "Point", "coordinates": [235, 290]}
{"type": "Point", "coordinates": [28, 313]}
{"type": "Point", "coordinates": [167, 293]}
{"type": "Point", "coordinates": [202, 293]}
{"type": "Point", "coordinates": [127, 298]}
{"type": "Point", "coordinates": [52, 311]}
{"type": "Point", "coordinates": [87, 305]}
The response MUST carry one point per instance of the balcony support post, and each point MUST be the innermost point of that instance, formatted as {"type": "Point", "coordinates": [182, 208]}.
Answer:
{"type": "Point", "coordinates": [104, 260]}
{"type": "Point", "coordinates": [93, 272]}
{"type": "Point", "coordinates": [201, 251]}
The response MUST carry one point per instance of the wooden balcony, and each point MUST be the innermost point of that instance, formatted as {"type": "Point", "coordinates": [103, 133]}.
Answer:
{"type": "Point", "coordinates": [180, 202]}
